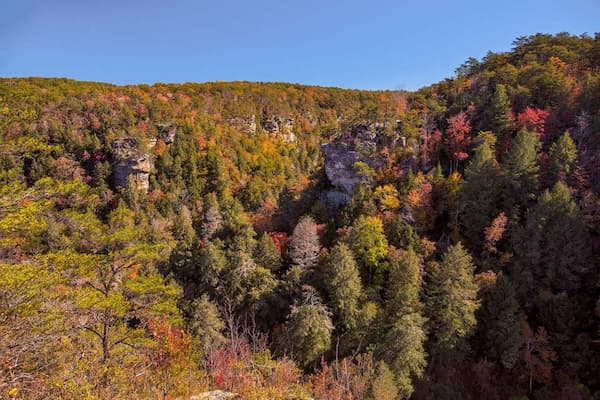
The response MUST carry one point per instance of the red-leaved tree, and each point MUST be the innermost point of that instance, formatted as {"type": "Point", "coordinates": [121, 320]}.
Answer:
{"type": "Point", "coordinates": [533, 119]}
{"type": "Point", "coordinates": [458, 139]}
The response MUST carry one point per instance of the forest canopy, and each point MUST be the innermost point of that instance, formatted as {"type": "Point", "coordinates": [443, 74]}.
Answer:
{"type": "Point", "coordinates": [286, 241]}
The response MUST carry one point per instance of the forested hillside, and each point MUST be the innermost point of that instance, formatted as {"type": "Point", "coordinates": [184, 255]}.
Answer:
{"type": "Point", "coordinates": [283, 241]}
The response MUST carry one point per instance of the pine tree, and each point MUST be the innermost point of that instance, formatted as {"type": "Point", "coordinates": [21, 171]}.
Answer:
{"type": "Point", "coordinates": [402, 235]}
{"type": "Point", "coordinates": [309, 329]}
{"type": "Point", "coordinates": [499, 326]}
{"type": "Point", "coordinates": [521, 170]}
{"type": "Point", "coordinates": [304, 246]}
{"type": "Point", "coordinates": [207, 273]}
{"type": "Point", "coordinates": [205, 323]}
{"type": "Point", "coordinates": [563, 154]}
{"type": "Point", "coordinates": [452, 303]}
{"type": "Point", "coordinates": [402, 346]}
{"type": "Point", "coordinates": [499, 115]}
{"type": "Point", "coordinates": [344, 286]}
{"type": "Point", "coordinates": [480, 192]}
{"type": "Point", "coordinates": [553, 249]}
{"type": "Point", "coordinates": [267, 254]}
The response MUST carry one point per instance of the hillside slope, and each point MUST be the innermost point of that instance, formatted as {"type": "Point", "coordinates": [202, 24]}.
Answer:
{"type": "Point", "coordinates": [289, 241]}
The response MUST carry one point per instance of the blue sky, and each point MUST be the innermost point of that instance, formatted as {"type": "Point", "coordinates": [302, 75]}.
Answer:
{"type": "Point", "coordinates": [375, 44]}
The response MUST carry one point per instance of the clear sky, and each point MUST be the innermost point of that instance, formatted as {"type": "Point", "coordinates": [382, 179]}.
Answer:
{"type": "Point", "coordinates": [377, 44]}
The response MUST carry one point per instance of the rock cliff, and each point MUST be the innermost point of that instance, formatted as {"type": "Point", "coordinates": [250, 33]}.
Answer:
{"type": "Point", "coordinates": [131, 167]}
{"type": "Point", "coordinates": [280, 126]}
{"type": "Point", "coordinates": [360, 143]}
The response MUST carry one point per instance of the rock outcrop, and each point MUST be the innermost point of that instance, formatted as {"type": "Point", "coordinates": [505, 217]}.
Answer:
{"type": "Point", "coordinates": [341, 155]}
{"type": "Point", "coordinates": [214, 395]}
{"type": "Point", "coordinates": [131, 167]}
{"type": "Point", "coordinates": [280, 126]}
{"type": "Point", "coordinates": [166, 132]}
{"type": "Point", "coordinates": [244, 124]}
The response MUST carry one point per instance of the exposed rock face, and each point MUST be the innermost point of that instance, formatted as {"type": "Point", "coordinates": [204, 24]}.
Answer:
{"type": "Point", "coordinates": [360, 144]}
{"type": "Point", "coordinates": [280, 126]}
{"type": "Point", "coordinates": [166, 132]}
{"type": "Point", "coordinates": [244, 124]}
{"type": "Point", "coordinates": [131, 169]}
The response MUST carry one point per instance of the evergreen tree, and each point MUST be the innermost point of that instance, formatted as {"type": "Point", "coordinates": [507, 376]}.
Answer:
{"type": "Point", "coordinates": [207, 273]}
{"type": "Point", "coordinates": [553, 249]}
{"type": "Point", "coordinates": [267, 254]}
{"type": "Point", "coordinates": [563, 154]}
{"type": "Point", "coordinates": [304, 246]}
{"type": "Point", "coordinates": [480, 192]}
{"type": "Point", "coordinates": [205, 323]}
{"type": "Point", "coordinates": [309, 330]}
{"type": "Point", "coordinates": [521, 170]}
{"type": "Point", "coordinates": [500, 114]}
{"type": "Point", "coordinates": [452, 303]}
{"type": "Point", "coordinates": [402, 346]}
{"type": "Point", "coordinates": [344, 286]}
{"type": "Point", "coordinates": [214, 171]}
{"type": "Point", "coordinates": [183, 257]}
{"type": "Point", "coordinates": [402, 235]}
{"type": "Point", "coordinates": [235, 280]}
{"type": "Point", "coordinates": [499, 326]}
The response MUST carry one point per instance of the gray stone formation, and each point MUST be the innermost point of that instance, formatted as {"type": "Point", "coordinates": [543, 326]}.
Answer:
{"type": "Point", "coordinates": [166, 132]}
{"type": "Point", "coordinates": [131, 168]}
{"type": "Point", "coordinates": [278, 125]}
{"type": "Point", "coordinates": [132, 164]}
{"type": "Point", "coordinates": [359, 144]}
{"type": "Point", "coordinates": [244, 124]}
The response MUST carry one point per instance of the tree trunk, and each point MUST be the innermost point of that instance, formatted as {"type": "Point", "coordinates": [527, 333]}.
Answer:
{"type": "Point", "coordinates": [105, 344]}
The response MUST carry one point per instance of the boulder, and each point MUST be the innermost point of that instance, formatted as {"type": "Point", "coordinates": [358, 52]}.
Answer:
{"type": "Point", "coordinates": [214, 395]}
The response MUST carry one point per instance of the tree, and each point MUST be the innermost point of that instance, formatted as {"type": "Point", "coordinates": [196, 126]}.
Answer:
{"type": "Point", "coordinates": [402, 235]}
{"type": "Point", "coordinates": [538, 354]}
{"type": "Point", "coordinates": [498, 322]}
{"type": "Point", "coordinates": [205, 323]}
{"type": "Point", "coordinates": [533, 119]}
{"type": "Point", "coordinates": [370, 245]}
{"type": "Point", "coordinates": [118, 299]}
{"type": "Point", "coordinates": [562, 154]}
{"type": "Point", "coordinates": [553, 248]}
{"type": "Point", "coordinates": [205, 275]}
{"type": "Point", "coordinates": [309, 329]}
{"type": "Point", "coordinates": [212, 217]}
{"type": "Point", "coordinates": [387, 197]}
{"type": "Point", "coordinates": [384, 385]}
{"type": "Point", "coordinates": [494, 233]}
{"type": "Point", "coordinates": [452, 302]}
{"type": "Point", "coordinates": [344, 286]}
{"type": "Point", "coordinates": [500, 115]}
{"type": "Point", "coordinates": [521, 170]}
{"type": "Point", "coordinates": [402, 345]}
{"type": "Point", "coordinates": [480, 192]}
{"type": "Point", "coordinates": [457, 139]}
{"type": "Point", "coordinates": [304, 246]}
{"type": "Point", "coordinates": [267, 254]}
